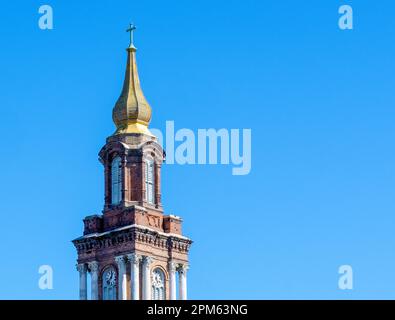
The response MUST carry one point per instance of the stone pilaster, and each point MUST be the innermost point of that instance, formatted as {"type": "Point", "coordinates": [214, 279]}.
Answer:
{"type": "Point", "coordinates": [182, 274]}
{"type": "Point", "coordinates": [122, 279]}
{"type": "Point", "coordinates": [172, 280]}
{"type": "Point", "coordinates": [94, 270]}
{"type": "Point", "coordinates": [134, 260]}
{"type": "Point", "coordinates": [147, 278]}
{"type": "Point", "coordinates": [82, 269]}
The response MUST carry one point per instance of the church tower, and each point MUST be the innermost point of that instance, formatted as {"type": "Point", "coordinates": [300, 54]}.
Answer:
{"type": "Point", "coordinates": [132, 250]}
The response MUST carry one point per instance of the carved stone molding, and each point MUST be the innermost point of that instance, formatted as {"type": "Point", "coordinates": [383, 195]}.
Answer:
{"type": "Point", "coordinates": [120, 260]}
{"type": "Point", "coordinates": [172, 266]}
{"type": "Point", "coordinates": [81, 268]}
{"type": "Point", "coordinates": [93, 266]}
{"type": "Point", "coordinates": [182, 268]}
{"type": "Point", "coordinates": [134, 258]}
{"type": "Point", "coordinates": [147, 261]}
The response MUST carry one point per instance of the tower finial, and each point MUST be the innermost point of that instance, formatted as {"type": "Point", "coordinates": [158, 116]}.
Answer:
{"type": "Point", "coordinates": [131, 29]}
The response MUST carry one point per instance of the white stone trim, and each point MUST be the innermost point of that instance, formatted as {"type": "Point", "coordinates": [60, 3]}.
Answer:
{"type": "Point", "coordinates": [93, 235]}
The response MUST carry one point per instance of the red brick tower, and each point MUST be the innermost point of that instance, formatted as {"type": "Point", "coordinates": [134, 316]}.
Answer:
{"type": "Point", "coordinates": [133, 250]}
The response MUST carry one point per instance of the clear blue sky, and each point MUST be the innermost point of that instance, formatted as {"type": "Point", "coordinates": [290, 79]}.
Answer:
{"type": "Point", "coordinates": [320, 103]}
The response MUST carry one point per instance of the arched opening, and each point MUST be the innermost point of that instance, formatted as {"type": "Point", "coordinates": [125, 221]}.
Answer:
{"type": "Point", "coordinates": [109, 281]}
{"type": "Point", "coordinates": [158, 285]}
{"type": "Point", "coordinates": [116, 181]}
{"type": "Point", "coordinates": [150, 181]}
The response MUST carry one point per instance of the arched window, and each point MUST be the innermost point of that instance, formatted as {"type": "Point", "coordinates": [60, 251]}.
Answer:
{"type": "Point", "coordinates": [116, 180]}
{"type": "Point", "coordinates": [158, 285]}
{"type": "Point", "coordinates": [149, 181]}
{"type": "Point", "coordinates": [109, 280]}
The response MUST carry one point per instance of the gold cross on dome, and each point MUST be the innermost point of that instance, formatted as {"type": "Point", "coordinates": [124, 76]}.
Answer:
{"type": "Point", "coordinates": [131, 29]}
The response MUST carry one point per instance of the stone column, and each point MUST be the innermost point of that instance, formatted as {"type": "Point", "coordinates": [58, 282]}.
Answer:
{"type": "Point", "coordinates": [182, 274]}
{"type": "Point", "coordinates": [147, 278]}
{"type": "Point", "coordinates": [81, 268]}
{"type": "Point", "coordinates": [94, 270]}
{"type": "Point", "coordinates": [122, 279]}
{"type": "Point", "coordinates": [172, 280]}
{"type": "Point", "coordinates": [134, 276]}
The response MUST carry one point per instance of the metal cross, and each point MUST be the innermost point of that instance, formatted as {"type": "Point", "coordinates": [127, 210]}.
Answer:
{"type": "Point", "coordinates": [131, 28]}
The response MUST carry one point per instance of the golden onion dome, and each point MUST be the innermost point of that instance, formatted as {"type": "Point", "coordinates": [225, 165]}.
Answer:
{"type": "Point", "coordinates": [131, 113]}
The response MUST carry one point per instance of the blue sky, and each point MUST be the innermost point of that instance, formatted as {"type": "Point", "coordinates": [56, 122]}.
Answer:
{"type": "Point", "coordinates": [320, 103]}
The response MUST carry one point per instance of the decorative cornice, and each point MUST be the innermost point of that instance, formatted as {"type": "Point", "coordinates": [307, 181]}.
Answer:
{"type": "Point", "coordinates": [134, 233]}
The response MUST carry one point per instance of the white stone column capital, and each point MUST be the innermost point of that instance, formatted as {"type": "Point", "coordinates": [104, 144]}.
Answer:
{"type": "Point", "coordinates": [120, 260]}
{"type": "Point", "coordinates": [134, 258]}
{"type": "Point", "coordinates": [172, 266]}
{"type": "Point", "coordinates": [182, 268]}
{"type": "Point", "coordinates": [93, 266]}
{"type": "Point", "coordinates": [147, 261]}
{"type": "Point", "coordinates": [81, 267]}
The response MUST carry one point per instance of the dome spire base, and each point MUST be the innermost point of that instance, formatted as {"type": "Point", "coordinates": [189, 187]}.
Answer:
{"type": "Point", "coordinates": [135, 128]}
